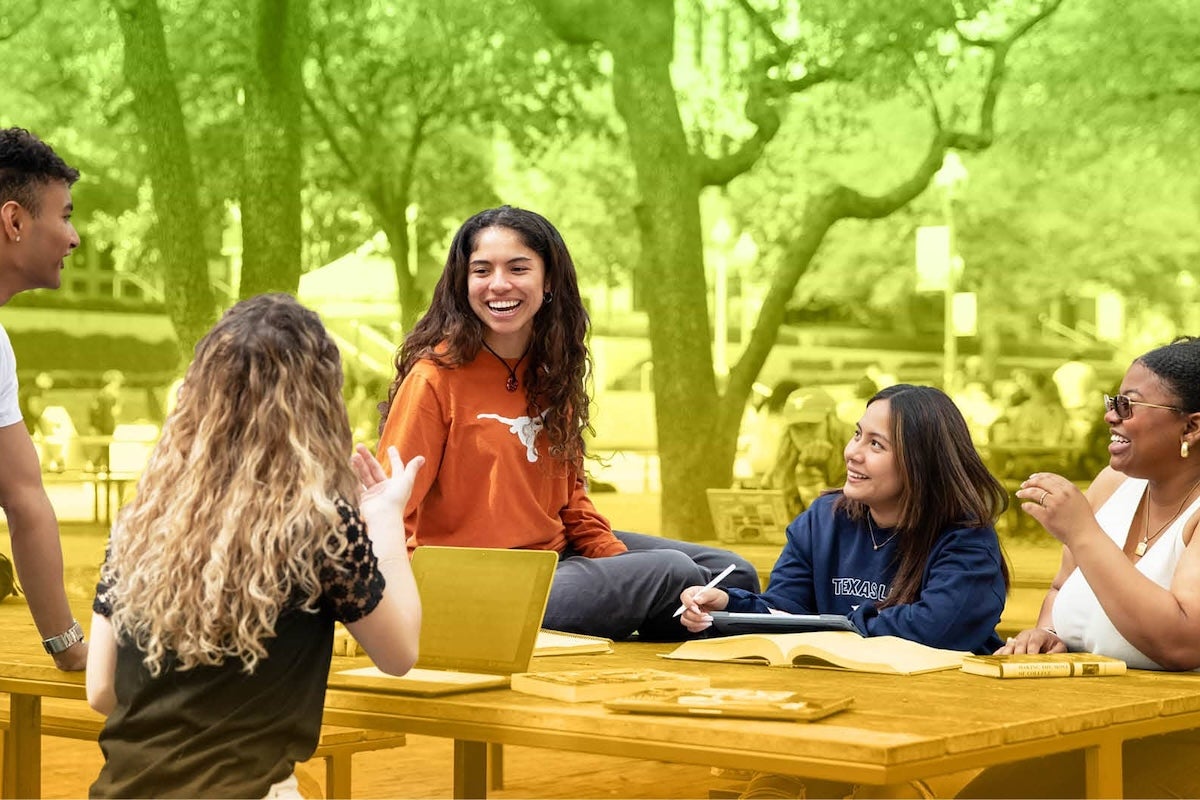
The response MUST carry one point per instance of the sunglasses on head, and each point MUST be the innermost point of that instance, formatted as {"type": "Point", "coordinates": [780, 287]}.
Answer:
{"type": "Point", "coordinates": [1124, 406]}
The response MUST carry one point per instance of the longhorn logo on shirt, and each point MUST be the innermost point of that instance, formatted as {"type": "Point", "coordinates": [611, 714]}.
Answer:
{"type": "Point", "coordinates": [526, 429]}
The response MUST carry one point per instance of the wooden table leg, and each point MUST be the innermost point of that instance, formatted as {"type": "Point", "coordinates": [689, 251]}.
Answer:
{"type": "Point", "coordinates": [495, 766]}
{"type": "Point", "coordinates": [470, 769]}
{"type": "Point", "coordinates": [1103, 770]}
{"type": "Point", "coordinates": [23, 747]}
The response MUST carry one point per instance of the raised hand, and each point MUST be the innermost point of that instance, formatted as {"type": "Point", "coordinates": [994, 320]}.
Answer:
{"type": "Point", "coordinates": [383, 498]}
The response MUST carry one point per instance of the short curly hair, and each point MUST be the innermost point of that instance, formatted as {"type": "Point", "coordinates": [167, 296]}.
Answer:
{"type": "Point", "coordinates": [26, 164]}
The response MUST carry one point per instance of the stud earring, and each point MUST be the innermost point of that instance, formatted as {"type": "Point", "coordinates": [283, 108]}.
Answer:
{"type": "Point", "coordinates": [1183, 449]}
{"type": "Point", "coordinates": [18, 238]}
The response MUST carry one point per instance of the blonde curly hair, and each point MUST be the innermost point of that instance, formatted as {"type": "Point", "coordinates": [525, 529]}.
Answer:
{"type": "Point", "coordinates": [235, 511]}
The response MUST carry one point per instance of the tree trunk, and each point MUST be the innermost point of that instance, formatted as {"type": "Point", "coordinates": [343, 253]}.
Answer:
{"type": "Point", "coordinates": [693, 452]}
{"type": "Point", "coordinates": [271, 233]}
{"type": "Point", "coordinates": [411, 306]}
{"type": "Point", "coordinates": [189, 297]}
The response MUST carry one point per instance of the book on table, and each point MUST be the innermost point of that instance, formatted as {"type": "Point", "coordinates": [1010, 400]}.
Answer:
{"type": "Point", "coordinates": [558, 643]}
{"type": "Point", "coordinates": [825, 649]}
{"type": "Point", "coordinates": [745, 703]}
{"type": "Point", "coordinates": [1043, 665]}
{"type": "Point", "coordinates": [585, 685]}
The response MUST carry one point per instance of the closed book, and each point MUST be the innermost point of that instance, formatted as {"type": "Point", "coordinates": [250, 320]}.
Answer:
{"type": "Point", "coordinates": [557, 643]}
{"type": "Point", "coordinates": [581, 686]}
{"type": "Point", "coordinates": [826, 649]}
{"type": "Point", "coordinates": [1043, 665]}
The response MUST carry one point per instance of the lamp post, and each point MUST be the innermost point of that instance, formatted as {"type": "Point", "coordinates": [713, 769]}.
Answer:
{"type": "Point", "coordinates": [950, 179]}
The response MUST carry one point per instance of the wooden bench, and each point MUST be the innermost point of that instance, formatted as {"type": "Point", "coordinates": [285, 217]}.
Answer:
{"type": "Point", "coordinates": [72, 719]}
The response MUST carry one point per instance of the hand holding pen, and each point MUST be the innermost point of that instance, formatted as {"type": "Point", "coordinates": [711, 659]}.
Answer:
{"type": "Point", "coordinates": [697, 601]}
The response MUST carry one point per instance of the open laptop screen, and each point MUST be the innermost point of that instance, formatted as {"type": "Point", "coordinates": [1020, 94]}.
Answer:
{"type": "Point", "coordinates": [481, 607]}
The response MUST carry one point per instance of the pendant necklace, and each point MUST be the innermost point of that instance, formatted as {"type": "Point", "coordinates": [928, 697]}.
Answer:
{"type": "Point", "coordinates": [871, 529]}
{"type": "Point", "coordinates": [1140, 550]}
{"type": "Point", "coordinates": [512, 383]}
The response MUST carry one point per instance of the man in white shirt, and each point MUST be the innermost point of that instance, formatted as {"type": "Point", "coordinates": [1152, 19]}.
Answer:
{"type": "Point", "coordinates": [1076, 382]}
{"type": "Point", "coordinates": [36, 234]}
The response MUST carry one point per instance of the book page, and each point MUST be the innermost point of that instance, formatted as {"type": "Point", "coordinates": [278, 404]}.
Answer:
{"type": "Point", "coordinates": [871, 654]}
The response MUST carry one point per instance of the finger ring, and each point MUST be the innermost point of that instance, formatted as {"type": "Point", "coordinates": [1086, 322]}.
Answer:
{"type": "Point", "coordinates": [1042, 499]}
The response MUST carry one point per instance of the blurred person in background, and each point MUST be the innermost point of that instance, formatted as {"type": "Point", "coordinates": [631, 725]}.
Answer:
{"type": "Point", "coordinates": [36, 234]}
{"type": "Point", "coordinates": [104, 413]}
{"type": "Point", "coordinates": [809, 459]}
{"type": "Point", "coordinates": [1077, 388]}
{"type": "Point", "coordinates": [764, 429]}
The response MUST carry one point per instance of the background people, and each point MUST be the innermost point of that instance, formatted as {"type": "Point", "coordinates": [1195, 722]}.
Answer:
{"type": "Point", "coordinates": [36, 234]}
{"type": "Point", "coordinates": [809, 458]}
{"type": "Point", "coordinates": [246, 540]}
{"type": "Point", "coordinates": [104, 412]}
{"type": "Point", "coordinates": [1129, 582]}
{"type": "Point", "coordinates": [490, 386]}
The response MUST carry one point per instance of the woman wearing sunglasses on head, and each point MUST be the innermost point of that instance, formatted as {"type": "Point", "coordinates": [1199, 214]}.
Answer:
{"type": "Point", "coordinates": [1129, 583]}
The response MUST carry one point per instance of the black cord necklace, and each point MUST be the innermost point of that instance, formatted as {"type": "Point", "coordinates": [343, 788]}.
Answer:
{"type": "Point", "coordinates": [512, 383]}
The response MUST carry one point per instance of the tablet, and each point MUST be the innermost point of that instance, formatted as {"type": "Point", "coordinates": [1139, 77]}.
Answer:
{"type": "Point", "coordinates": [729, 623]}
{"type": "Point", "coordinates": [744, 703]}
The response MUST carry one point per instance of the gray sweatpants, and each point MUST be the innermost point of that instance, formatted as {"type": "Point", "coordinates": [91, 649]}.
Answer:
{"type": "Point", "coordinates": [638, 590]}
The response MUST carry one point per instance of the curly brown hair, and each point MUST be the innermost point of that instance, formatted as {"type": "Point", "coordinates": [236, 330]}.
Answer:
{"type": "Point", "coordinates": [556, 369]}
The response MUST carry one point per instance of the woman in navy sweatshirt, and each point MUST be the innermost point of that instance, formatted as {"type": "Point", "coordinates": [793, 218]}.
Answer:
{"type": "Point", "coordinates": [906, 548]}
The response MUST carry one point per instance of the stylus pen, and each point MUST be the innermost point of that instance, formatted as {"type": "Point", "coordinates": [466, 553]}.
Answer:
{"type": "Point", "coordinates": [709, 585]}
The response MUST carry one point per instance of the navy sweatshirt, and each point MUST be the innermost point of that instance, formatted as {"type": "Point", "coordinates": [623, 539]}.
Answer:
{"type": "Point", "coordinates": [829, 566]}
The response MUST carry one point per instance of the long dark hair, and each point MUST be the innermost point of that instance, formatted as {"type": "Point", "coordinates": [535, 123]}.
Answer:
{"type": "Point", "coordinates": [943, 482]}
{"type": "Point", "coordinates": [557, 365]}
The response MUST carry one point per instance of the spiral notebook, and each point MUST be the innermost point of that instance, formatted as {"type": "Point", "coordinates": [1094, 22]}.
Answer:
{"type": "Point", "coordinates": [481, 609]}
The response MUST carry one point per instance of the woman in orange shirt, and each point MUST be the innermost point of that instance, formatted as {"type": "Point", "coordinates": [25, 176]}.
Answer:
{"type": "Point", "coordinates": [490, 389]}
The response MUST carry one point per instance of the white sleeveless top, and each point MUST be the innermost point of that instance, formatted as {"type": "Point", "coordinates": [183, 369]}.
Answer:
{"type": "Point", "coordinates": [1078, 617]}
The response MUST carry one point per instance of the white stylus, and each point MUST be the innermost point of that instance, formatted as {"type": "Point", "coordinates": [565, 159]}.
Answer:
{"type": "Point", "coordinates": [709, 585]}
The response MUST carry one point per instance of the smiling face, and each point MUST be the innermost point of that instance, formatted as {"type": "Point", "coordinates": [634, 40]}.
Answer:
{"type": "Point", "coordinates": [872, 469]}
{"type": "Point", "coordinates": [46, 238]}
{"type": "Point", "coordinates": [1148, 441]}
{"type": "Point", "coordinates": [506, 281]}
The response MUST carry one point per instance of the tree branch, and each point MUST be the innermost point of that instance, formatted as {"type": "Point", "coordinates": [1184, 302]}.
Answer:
{"type": "Point", "coordinates": [20, 26]}
{"type": "Point", "coordinates": [783, 51]}
{"type": "Point", "coordinates": [332, 89]}
{"type": "Point", "coordinates": [330, 136]}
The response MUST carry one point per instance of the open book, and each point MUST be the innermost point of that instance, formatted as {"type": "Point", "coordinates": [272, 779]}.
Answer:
{"type": "Point", "coordinates": [557, 643]}
{"type": "Point", "coordinates": [1043, 665]}
{"type": "Point", "coordinates": [581, 686]}
{"type": "Point", "coordinates": [828, 649]}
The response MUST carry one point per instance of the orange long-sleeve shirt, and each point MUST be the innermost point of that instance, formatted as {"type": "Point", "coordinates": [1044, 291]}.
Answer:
{"type": "Point", "coordinates": [488, 479]}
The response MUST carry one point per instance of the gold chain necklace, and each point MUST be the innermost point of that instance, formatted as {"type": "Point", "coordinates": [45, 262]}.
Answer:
{"type": "Point", "coordinates": [1140, 550]}
{"type": "Point", "coordinates": [871, 530]}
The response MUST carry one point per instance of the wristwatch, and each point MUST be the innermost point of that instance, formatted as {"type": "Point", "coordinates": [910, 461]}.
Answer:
{"type": "Point", "coordinates": [56, 644]}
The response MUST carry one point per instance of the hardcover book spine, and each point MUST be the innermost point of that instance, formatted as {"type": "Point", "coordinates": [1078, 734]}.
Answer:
{"type": "Point", "coordinates": [1061, 669]}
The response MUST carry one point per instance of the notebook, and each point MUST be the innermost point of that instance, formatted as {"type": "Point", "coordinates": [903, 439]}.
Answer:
{"type": "Point", "coordinates": [749, 516]}
{"type": "Point", "coordinates": [480, 613]}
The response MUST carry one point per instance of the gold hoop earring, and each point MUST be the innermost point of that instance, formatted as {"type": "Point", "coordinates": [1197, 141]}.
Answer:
{"type": "Point", "coordinates": [1183, 449]}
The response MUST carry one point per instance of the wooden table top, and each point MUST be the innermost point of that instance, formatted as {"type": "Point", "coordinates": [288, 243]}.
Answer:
{"type": "Point", "coordinates": [896, 721]}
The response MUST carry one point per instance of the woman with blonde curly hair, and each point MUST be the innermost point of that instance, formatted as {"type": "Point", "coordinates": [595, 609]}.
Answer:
{"type": "Point", "coordinates": [214, 615]}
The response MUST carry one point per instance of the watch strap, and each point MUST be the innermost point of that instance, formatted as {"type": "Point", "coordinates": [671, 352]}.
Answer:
{"type": "Point", "coordinates": [71, 636]}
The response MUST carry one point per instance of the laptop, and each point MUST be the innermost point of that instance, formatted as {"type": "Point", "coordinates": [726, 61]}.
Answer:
{"type": "Point", "coordinates": [481, 609]}
{"type": "Point", "coordinates": [750, 516]}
